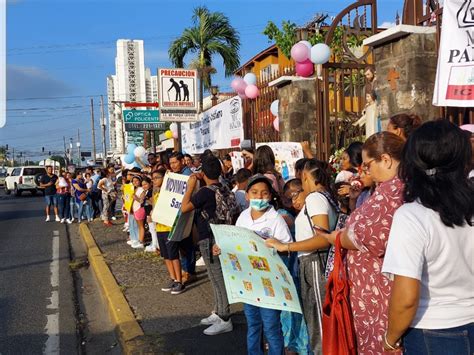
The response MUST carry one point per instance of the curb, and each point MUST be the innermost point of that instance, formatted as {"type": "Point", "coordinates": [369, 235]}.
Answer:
{"type": "Point", "coordinates": [126, 325]}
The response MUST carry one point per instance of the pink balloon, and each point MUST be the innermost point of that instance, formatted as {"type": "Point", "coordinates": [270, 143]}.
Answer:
{"type": "Point", "coordinates": [300, 52]}
{"type": "Point", "coordinates": [238, 84]}
{"type": "Point", "coordinates": [175, 134]}
{"type": "Point", "coordinates": [243, 97]}
{"type": "Point", "coordinates": [305, 68]}
{"type": "Point", "coordinates": [252, 92]}
{"type": "Point", "coordinates": [276, 124]}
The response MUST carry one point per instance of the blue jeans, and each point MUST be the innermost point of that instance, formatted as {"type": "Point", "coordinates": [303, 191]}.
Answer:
{"type": "Point", "coordinates": [452, 341]}
{"type": "Point", "coordinates": [81, 208]}
{"type": "Point", "coordinates": [64, 205]}
{"type": "Point", "coordinates": [51, 200]}
{"type": "Point", "coordinates": [133, 227]}
{"type": "Point", "coordinates": [188, 262]}
{"type": "Point", "coordinates": [72, 207]}
{"type": "Point", "coordinates": [268, 320]}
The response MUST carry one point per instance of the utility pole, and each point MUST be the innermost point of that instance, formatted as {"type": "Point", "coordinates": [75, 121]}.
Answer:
{"type": "Point", "coordinates": [102, 123]}
{"type": "Point", "coordinates": [13, 157]}
{"type": "Point", "coordinates": [93, 131]}
{"type": "Point", "coordinates": [71, 153]}
{"type": "Point", "coordinates": [79, 158]}
{"type": "Point", "coordinates": [65, 151]}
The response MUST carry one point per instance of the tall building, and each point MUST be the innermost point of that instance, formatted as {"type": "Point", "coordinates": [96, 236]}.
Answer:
{"type": "Point", "coordinates": [132, 82]}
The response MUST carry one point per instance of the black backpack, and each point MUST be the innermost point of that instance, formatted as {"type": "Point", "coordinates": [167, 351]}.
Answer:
{"type": "Point", "coordinates": [227, 208]}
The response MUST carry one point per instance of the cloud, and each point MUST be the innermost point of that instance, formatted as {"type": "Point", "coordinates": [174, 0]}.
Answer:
{"type": "Point", "coordinates": [387, 24]}
{"type": "Point", "coordinates": [25, 82]}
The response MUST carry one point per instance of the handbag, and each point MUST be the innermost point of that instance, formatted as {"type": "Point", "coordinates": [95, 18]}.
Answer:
{"type": "Point", "coordinates": [83, 196]}
{"type": "Point", "coordinates": [338, 326]}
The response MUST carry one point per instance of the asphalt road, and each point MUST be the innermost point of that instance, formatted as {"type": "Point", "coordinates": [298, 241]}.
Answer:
{"type": "Point", "coordinates": [36, 289]}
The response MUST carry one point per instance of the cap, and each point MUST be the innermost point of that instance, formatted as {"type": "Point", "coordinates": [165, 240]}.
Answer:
{"type": "Point", "coordinates": [259, 178]}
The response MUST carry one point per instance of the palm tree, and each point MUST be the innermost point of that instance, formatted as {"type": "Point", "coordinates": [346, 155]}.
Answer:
{"type": "Point", "coordinates": [210, 34]}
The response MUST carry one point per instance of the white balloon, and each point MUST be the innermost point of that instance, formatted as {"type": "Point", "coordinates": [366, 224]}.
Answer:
{"type": "Point", "coordinates": [307, 44]}
{"type": "Point", "coordinates": [139, 152]}
{"type": "Point", "coordinates": [173, 127]}
{"type": "Point", "coordinates": [250, 79]}
{"type": "Point", "coordinates": [320, 53]}
{"type": "Point", "coordinates": [274, 107]}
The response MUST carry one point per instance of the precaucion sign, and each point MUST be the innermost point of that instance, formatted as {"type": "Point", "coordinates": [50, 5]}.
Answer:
{"type": "Point", "coordinates": [254, 273]}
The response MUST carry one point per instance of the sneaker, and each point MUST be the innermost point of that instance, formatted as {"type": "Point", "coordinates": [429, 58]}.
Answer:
{"type": "Point", "coordinates": [177, 288]}
{"type": "Point", "coordinates": [150, 249]}
{"type": "Point", "coordinates": [47, 219]}
{"type": "Point", "coordinates": [137, 245]}
{"type": "Point", "coordinates": [129, 242]}
{"type": "Point", "coordinates": [69, 221]}
{"type": "Point", "coordinates": [169, 286]}
{"type": "Point", "coordinates": [72, 220]}
{"type": "Point", "coordinates": [200, 262]}
{"type": "Point", "coordinates": [63, 220]}
{"type": "Point", "coordinates": [188, 278]}
{"type": "Point", "coordinates": [114, 218]}
{"type": "Point", "coordinates": [213, 318]}
{"type": "Point", "coordinates": [219, 327]}
{"type": "Point", "coordinates": [57, 219]}
{"type": "Point", "coordinates": [91, 219]}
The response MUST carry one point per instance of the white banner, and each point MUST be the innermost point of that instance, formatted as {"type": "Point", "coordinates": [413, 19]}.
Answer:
{"type": "Point", "coordinates": [169, 202]}
{"type": "Point", "coordinates": [455, 75]}
{"type": "Point", "coordinates": [286, 155]}
{"type": "Point", "coordinates": [220, 127]}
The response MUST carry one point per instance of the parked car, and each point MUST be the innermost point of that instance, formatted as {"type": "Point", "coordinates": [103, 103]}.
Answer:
{"type": "Point", "coordinates": [3, 175]}
{"type": "Point", "coordinates": [24, 178]}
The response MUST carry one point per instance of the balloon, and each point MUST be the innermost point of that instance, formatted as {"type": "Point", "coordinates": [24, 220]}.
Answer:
{"type": "Point", "coordinates": [250, 79]}
{"type": "Point", "coordinates": [168, 134]}
{"type": "Point", "coordinates": [139, 151]}
{"type": "Point", "coordinates": [130, 148]}
{"type": "Point", "coordinates": [239, 85]}
{"type": "Point", "coordinates": [243, 97]}
{"type": "Point", "coordinates": [306, 43]}
{"type": "Point", "coordinates": [300, 52]}
{"type": "Point", "coordinates": [320, 53]}
{"type": "Point", "coordinates": [252, 92]}
{"type": "Point", "coordinates": [274, 107]}
{"type": "Point", "coordinates": [276, 124]}
{"type": "Point", "coordinates": [305, 68]}
{"type": "Point", "coordinates": [128, 166]}
{"type": "Point", "coordinates": [173, 127]}
{"type": "Point", "coordinates": [175, 134]}
{"type": "Point", "coordinates": [129, 158]}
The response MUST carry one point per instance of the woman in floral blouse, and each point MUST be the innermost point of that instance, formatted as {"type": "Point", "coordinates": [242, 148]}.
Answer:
{"type": "Point", "coordinates": [366, 236]}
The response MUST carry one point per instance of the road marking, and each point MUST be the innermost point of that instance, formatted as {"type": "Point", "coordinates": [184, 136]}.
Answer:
{"type": "Point", "coordinates": [52, 325]}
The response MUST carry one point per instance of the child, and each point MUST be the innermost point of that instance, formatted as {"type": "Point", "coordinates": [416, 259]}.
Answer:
{"type": "Point", "coordinates": [242, 178]}
{"type": "Point", "coordinates": [137, 215]}
{"type": "Point", "coordinates": [147, 198]}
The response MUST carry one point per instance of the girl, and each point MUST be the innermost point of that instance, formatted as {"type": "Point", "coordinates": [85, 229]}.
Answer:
{"type": "Point", "coordinates": [148, 206]}
{"type": "Point", "coordinates": [88, 202]}
{"type": "Point", "coordinates": [106, 185]}
{"type": "Point", "coordinates": [264, 163]}
{"type": "Point", "coordinates": [138, 213]}
{"type": "Point", "coordinates": [80, 189]}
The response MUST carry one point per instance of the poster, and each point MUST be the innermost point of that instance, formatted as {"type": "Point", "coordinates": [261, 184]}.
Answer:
{"type": "Point", "coordinates": [177, 95]}
{"type": "Point", "coordinates": [128, 191]}
{"type": "Point", "coordinates": [237, 160]}
{"type": "Point", "coordinates": [254, 273]}
{"type": "Point", "coordinates": [286, 155]}
{"type": "Point", "coordinates": [169, 202]}
{"type": "Point", "coordinates": [454, 84]}
{"type": "Point", "coordinates": [220, 127]}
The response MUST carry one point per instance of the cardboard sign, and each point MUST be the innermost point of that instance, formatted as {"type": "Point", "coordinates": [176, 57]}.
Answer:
{"type": "Point", "coordinates": [237, 160]}
{"type": "Point", "coordinates": [254, 273]}
{"type": "Point", "coordinates": [286, 155]}
{"type": "Point", "coordinates": [128, 191]}
{"type": "Point", "coordinates": [169, 202]}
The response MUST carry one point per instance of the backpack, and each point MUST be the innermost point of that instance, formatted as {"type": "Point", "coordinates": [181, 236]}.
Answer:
{"type": "Point", "coordinates": [227, 208]}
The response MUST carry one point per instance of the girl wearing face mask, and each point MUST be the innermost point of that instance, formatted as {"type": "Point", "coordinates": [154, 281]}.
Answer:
{"type": "Point", "coordinates": [318, 211]}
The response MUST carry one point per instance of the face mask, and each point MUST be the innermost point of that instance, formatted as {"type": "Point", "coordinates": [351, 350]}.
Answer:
{"type": "Point", "coordinates": [259, 204]}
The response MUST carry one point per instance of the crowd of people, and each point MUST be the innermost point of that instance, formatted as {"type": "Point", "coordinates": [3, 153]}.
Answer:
{"type": "Point", "coordinates": [401, 208]}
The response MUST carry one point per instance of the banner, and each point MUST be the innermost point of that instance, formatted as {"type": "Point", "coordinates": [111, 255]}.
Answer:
{"type": "Point", "coordinates": [455, 74]}
{"type": "Point", "coordinates": [220, 127]}
{"type": "Point", "coordinates": [254, 273]}
{"type": "Point", "coordinates": [169, 202]}
{"type": "Point", "coordinates": [286, 155]}
{"type": "Point", "coordinates": [128, 191]}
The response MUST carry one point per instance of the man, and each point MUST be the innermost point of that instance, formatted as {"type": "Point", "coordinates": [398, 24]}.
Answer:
{"type": "Point", "coordinates": [188, 263]}
{"type": "Point", "coordinates": [48, 182]}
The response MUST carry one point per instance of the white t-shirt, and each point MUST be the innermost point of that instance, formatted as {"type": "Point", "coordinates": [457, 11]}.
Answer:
{"type": "Point", "coordinates": [316, 204]}
{"type": "Point", "coordinates": [136, 205]}
{"type": "Point", "coordinates": [270, 225]}
{"type": "Point", "coordinates": [421, 247]}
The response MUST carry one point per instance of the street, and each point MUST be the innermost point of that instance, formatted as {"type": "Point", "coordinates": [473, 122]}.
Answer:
{"type": "Point", "coordinates": [36, 304]}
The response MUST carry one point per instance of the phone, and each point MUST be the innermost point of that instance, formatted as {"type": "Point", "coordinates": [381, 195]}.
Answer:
{"type": "Point", "coordinates": [321, 229]}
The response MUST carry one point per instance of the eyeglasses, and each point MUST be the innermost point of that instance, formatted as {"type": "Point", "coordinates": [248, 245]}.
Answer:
{"type": "Point", "coordinates": [294, 195]}
{"type": "Point", "coordinates": [366, 166]}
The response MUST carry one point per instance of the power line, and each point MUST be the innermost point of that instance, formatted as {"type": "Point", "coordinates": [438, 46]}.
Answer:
{"type": "Point", "coordinates": [53, 97]}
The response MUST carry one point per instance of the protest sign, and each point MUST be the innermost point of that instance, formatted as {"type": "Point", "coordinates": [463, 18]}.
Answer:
{"type": "Point", "coordinates": [454, 84]}
{"type": "Point", "coordinates": [128, 191]}
{"type": "Point", "coordinates": [220, 127]}
{"type": "Point", "coordinates": [237, 160]}
{"type": "Point", "coordinates": [169, 202]}
{"type": "Point", "coordinates": [286, 155]}
{"type": "Point", "coordinates": [254, 273]}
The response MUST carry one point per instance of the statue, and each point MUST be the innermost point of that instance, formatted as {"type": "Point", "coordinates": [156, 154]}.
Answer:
{"type": "Point", "coordinates": [370, 116]}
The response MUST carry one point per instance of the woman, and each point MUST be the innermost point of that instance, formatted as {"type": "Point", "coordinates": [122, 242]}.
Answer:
{"type": "Point", "coordinates": [430, 251]}
{"type": "Point", "coordinates": [107, 187]}
{"type": "Point", "coordinates": [351, 161]}
{"type": "Point", "coordinates": [80, 194]}
{"type": "Point", "coordinates": [64, 196]}
{"type": "Point", "coordinates": [366, 235]}
{"type": "Point", "coordinates": [319, 211]}
{"type": "Point", "coordinates": [264, 163]}
{"type": "Point", "coordinates": [403, 124]}
{"type": "Point", "coordinates": [247, 154]}
{"type": "Point", "coordinates": [89, 202]}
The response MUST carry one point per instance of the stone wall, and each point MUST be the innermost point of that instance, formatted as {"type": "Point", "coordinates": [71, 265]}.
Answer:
{"type": "Point", "coordinates": [297, 112]}
{"type": "Point", "coordinates": [410, 62]}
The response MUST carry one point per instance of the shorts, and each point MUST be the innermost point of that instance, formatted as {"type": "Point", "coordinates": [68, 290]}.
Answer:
{"type": "Point", "coordinates": [51, 200]}
{"type": "Point", "coordinates": [169, 250]}
{"type": "Point", "coordinates": [140, 214]}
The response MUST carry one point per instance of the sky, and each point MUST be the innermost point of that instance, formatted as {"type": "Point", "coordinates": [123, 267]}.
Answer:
{"type": "Point", "coordinates": [60, 52]}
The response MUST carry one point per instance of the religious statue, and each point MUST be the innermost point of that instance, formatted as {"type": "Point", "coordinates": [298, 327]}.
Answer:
{"type": "Point", "coordinates": [370, 116]}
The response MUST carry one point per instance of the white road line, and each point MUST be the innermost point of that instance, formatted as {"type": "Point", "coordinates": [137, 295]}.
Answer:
{"type": "Point", "coordinates": [52, 325]}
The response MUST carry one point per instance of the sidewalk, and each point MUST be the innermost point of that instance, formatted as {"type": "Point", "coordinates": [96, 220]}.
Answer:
{"type": "Point", "coordinates": [170, 322]}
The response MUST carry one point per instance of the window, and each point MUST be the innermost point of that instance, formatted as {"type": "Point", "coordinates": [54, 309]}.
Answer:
{"type": "Point", "coordinates": [16, 172]}
{"type": "Point", "coordinates": [33, 171]}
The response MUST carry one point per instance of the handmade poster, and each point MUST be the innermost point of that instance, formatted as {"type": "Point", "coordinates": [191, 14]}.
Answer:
{"type": "Point", "coordinates": [237, 161]}
{"type": "Point", "coordinates": [182, 226]}
{"type": "Point", "coordinates": [286, 155]}
{"type": "Point", "coordinates": [128, 191]}
{"type": "Point", "coordinates": [169, 202]}
{"type": "Point", "coordinates": [254, 273]}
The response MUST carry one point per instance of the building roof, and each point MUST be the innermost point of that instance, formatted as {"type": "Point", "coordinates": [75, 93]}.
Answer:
{"type": "Point", "coordinates": [273, 49]}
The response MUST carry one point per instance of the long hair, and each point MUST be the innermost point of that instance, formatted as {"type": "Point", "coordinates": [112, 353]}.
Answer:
{"type": "Point", "coordinates": [354, 151]}
{"type": "Point", "coordinates": [264, 160]}
{"type": "Point", "coordinates": [407, 122]}
{"type": "Point", "coordinates": [434, 169]}
{"type": "Point", "coordinates": [321, 173]}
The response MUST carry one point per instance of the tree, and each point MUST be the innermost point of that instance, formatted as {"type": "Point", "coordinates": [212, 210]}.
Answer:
{"type": "Point", "coordinates": [211, 34]}
{"type": "Point", "coordinates": [3, 155]}
{"type": "Point", "coordinates": [59, 159]}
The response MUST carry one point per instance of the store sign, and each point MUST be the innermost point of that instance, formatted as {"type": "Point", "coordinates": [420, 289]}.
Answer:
{"type": "Point", "coordinates": [143, 120]}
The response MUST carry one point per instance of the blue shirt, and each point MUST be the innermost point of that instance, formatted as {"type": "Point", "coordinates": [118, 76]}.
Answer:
{"type": "Point", "coordinates": [186, 171]}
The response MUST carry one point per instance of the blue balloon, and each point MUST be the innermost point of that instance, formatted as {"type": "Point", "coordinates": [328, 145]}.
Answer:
{"type": "Point", "coordinates": [136, 165]}
{"type": "Point", "coordinates": [320, 53]}
{"type": "Point", "coordinates": [130, 148]}
{"type": "Point", "coordinates": [250, 79]}
{"type": "Point", "coordinates": [129, 159]}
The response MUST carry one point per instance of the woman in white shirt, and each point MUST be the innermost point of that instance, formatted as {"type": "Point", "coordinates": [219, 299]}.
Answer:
{"type": "Point", "coordinates": [430, 252]}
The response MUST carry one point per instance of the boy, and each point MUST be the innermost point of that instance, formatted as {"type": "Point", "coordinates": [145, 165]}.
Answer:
{"type": "Point", "coordinates": [242, 178]}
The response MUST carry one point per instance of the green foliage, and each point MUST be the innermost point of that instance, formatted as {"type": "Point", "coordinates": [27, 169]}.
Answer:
{"type": "Point", "coordinates": [59, 159]}
{"type": "Point", "coordinates": [284, 38]}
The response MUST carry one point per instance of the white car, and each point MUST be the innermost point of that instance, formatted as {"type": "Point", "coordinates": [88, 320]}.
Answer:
{"type": "Point", "coordinates": [24, 178]}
